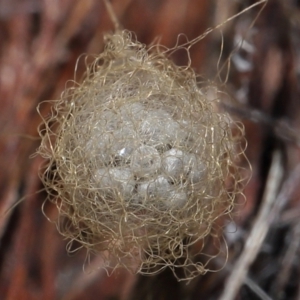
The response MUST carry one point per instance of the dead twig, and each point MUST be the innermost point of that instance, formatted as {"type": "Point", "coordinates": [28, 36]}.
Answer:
{"type": "Point", "coordinates": [259, 230]}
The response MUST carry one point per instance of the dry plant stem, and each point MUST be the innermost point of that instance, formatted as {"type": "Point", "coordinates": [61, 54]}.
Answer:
{"type": "Point", "coordinates": [259, 230]}
{"type": "Point", "coordinates": [288, 260]}
{"type": "Point", "coordinates": [256, 289]}
{"type": "Point", "coordinates": [284, 196]}
{"type": "Point", "coordinates": [112, 14]}
{"type": "Point", "coordinates": [249, 282]}
{"type": "Point", "coordinates": [287, 191]}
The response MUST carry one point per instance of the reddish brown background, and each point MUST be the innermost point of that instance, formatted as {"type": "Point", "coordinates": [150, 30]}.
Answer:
{"type": "Point", "coordinates": [40, 41]}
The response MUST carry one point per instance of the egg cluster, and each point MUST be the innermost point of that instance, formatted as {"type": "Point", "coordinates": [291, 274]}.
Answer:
{"type": "Point", "coordinates": [142, 156]}
{"type": "Point", "coordinates": [139, 161]}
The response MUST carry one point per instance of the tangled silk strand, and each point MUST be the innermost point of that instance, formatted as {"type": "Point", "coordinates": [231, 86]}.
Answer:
{"type": "Point", "coordinates": [138, 160]}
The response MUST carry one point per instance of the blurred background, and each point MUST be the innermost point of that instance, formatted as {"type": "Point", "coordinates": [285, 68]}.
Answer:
{"type": "Point", "coordinates": [40, 42]}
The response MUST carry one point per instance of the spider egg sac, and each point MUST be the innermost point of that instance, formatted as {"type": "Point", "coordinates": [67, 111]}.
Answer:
{"type": "Point", "coordinates": [139, 159]}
